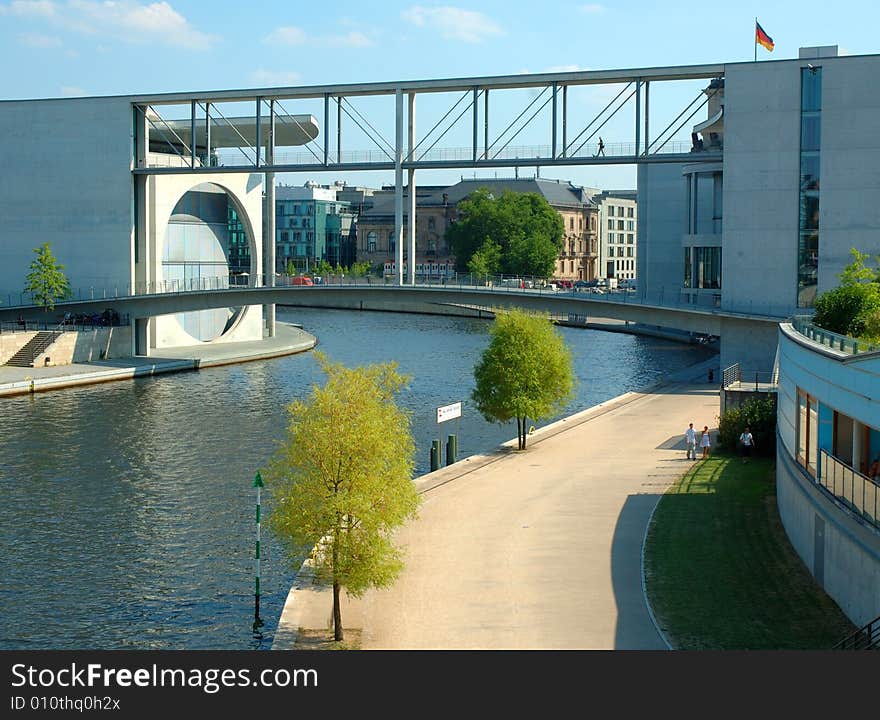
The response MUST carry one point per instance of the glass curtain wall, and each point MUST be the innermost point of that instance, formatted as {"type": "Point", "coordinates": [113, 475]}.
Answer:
{"type": "Point", "coordinates": [808, 220]}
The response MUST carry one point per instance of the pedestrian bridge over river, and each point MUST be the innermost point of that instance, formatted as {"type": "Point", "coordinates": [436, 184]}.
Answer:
{"type": "Point", "coordinates": [737, 329]}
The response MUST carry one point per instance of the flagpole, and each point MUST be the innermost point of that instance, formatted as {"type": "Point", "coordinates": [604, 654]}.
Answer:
{"type": "Point", "coordinates": [756, 39]}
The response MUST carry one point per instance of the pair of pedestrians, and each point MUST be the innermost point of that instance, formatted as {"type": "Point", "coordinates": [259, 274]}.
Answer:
{"type": "Point", "coordinates": [705, 441]}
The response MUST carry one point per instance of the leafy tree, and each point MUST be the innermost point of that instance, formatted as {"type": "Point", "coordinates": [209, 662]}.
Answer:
{"type": "Point", "coordinates": [342, 480]}
{"type": "Point", "coordinates": [525, 372]}
{"type": "Point", "coordinates": [291, 268]}
{"type": "Point", "coordinates": [524, 226]}
{"type": "Point", "coordinates": [757, 414]}
{"type": "Point", "coordinates": [486, 260]}
{"type": "Point", "coordinates": [46, 281]}
{"type": "Point", "coordinates": [360, 269]}
{"type": "Point", "coordinates": [853, 307]}
{"type": "Point", "coordinates": [323, 268]}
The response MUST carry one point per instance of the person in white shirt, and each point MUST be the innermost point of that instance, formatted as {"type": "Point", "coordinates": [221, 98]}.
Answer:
{"type": "Point", "coordinates": [746, 442]}
{"type": "Point", "coordinates": [690, 438]}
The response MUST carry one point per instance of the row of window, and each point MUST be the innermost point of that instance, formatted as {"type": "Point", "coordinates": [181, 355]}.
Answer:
{"type": "Point", "coordinates": [630, 225]}
{"type": "Point", "coordinates": [629, 252]}
{"type": "Point", "coordinates": [630, 211]}
{"type": "Point", "coordinates": [612, 238]}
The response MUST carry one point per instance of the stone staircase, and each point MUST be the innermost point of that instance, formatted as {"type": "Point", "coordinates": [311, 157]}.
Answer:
{"type": "Point", "coordinates": [35, 347]}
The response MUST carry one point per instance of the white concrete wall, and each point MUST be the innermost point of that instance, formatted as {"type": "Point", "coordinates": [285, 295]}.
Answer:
{"type": "Point", "coordinates": [849, 200]}
{"type": "Point", "coordinates": [163, 193]}
{"type": "Point", "coordinates": [67, 180]}
{"type": "Point", "coordinates": [761, 184]}
{"type": "Point", "coordinates": [661, 223]}
{"type": "Point", "coordinates": [842, 553]}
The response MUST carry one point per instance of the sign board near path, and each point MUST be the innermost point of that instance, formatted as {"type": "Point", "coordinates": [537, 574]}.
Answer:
{"type": "Point", "coordinates": [448, 412]}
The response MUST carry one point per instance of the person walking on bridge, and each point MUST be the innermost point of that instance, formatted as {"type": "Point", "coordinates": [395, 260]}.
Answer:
{"type": "Point", "coordinates": [601, 150]}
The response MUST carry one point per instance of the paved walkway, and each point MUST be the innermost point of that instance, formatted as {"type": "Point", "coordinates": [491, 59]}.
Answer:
{"type": "Point", "coordinates": [538, 550]}
{"type": "Point", "coordinates": [288, 339]}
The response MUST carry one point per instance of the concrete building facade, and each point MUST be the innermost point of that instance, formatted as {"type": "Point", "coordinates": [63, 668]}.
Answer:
{"type": "Point", "coordinates": [772, 225]}
{"type": "Point", "coordinates": [618, 235]}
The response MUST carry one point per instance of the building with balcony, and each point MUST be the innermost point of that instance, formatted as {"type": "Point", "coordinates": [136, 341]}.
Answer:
{"type": "Point", "coordinates": [757, 232]}
{"type": "Point", "coordinates": [828, 420]}
{"type": "Point", "coordinates": [436, 211]}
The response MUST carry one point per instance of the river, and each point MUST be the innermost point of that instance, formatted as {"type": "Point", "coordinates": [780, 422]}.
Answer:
{"type": "Point", "coordinates": [127, 513]}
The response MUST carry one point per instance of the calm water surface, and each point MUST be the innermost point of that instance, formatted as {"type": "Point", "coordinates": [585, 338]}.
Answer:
{"type": "Point", "coordinates": [127, 513]}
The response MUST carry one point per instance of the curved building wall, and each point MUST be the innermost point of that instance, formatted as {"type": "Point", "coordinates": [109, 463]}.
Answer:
{"type": "Point", "coordinates": [828, 401]}
{"type": "Point", "coordinates": [188, 240]}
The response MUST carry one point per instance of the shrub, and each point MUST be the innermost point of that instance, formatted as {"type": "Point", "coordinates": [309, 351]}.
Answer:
{"type": "Point", "coordinates": [847, 309]}
{"type": "Point", "coordinates": [757, 414]}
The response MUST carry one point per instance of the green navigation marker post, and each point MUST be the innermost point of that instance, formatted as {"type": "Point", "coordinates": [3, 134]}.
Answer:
{"type": "Point", "coordinates": [258, 484]}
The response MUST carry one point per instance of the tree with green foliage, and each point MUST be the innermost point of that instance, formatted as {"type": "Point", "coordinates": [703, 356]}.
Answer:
{"type": "Point", "coordinates": [525, 372]}
{"type": "Point", "coordinates": [486, 261]}
{"type": "Point", "coordinates": [290, 268]}
{"type": "Point", "coordinates": [853, 308]}
{"type": "Point", "coordinates": [342, 481]}
{"type": "Point", "coordinates": [324, 268]}
{"type": "Point", "coordinates": [757, 414]}
{"type": "Point", "coordinates": [46, 281]}
{"type": "Point", "coordinates": [524, 226]}
{"type": "Point", "coordinates": [360, 269]}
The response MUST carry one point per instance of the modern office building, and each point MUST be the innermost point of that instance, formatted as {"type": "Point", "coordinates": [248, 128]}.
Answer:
{"type": "Point", "coordinates": [75, 186]}
{"type": "Point", "coordinates": [772, 223]}
{"type": "Point", "coordinates": [312, 224]}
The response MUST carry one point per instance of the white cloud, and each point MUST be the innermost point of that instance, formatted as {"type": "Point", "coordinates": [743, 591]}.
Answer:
{"type": "Point", "coordinates": [40, 8]}
{"type": "Point", "coordinates": [291, 35]}
{"type": "Point", "coordinates": [126, 20]}
{"type": "Point", "coordinates": [274, 78]}
{"type": "Point", "coordinates": [287, 35]}
{"type": "Point", "coordinates": [351, 39]}
{"type": "Point", "coordinates": [453, 23]}
{"type": "Point", "coordinates": [72, 91]}
{"type": "Point", "coordinates": [592, 8]}
{"type": "Point", "coordinates": [37, 40]}
{"type": "Point", "coordinates": [133, 22]}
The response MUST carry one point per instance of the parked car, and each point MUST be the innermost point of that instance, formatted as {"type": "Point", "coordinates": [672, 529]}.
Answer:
{"type": "Point", "coordinates": [565, 284]}
{"type": "Point", "coordinates": [301, 280]}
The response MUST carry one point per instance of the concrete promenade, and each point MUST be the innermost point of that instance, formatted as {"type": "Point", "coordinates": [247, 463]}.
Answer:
{"type": "Point", "coordinates": [539, 550]}
{"type": "Point", "coordinates": [289, 339]}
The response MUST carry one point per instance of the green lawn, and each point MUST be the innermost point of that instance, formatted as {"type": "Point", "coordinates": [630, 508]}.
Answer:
{"type": "Point", "coordinates": [720, 571]}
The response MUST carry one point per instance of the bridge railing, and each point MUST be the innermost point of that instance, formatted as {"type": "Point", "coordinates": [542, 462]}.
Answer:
{"type": "Point", "coordinates": [672, 297]}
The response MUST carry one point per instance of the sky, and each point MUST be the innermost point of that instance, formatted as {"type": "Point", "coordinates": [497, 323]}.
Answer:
{"type": "Point", "coordinates": [58, 48]}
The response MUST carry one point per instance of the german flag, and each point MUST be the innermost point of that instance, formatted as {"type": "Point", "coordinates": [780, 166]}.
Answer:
{"type": "Point", "coordinates": [763, 38]}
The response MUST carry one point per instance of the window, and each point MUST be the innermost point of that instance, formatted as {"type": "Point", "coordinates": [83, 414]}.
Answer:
{"type": "Point", "coordinates": [630, 225]}
{"type": "Point", "coordinates": [593, 223]}
{"type": "Point", "coordinates": [580, 223]}
{"type": "Point", "coordinates": [620, 224]}
{"type": "Point", "coordinates": [630, 239]}
{"type": "Point", "coordinates": [611, 252]}
{"type": "Point", "coordinates": [611, 238]}
{"type": "Point", "coordinates": [808, 208]}
{"type": "Point", "coordinates": [611, 210]}
{"type": "Point", "coordinates": [284, 237]}
{"type": "Point", "coordinates": [630, 212]}
{"type": "Point", "coordinates": [629, 252]}
{"type": "Point", "coordinates": [571, 223]}
{"type": "Point", "coordinates": [807, 431]}
{"type": "Point", "coordinates": [431, 223]}
{"type": "Point", "coordinates": [392, 243]}
{"type": "Point", "coordinates": [611, 224]}
{"type": "Point", "coordinates": [371, 241]}
{"type": "Point", "coordinates": [279, 210]}
{"type": "Point", "coordinates": [688, 268]}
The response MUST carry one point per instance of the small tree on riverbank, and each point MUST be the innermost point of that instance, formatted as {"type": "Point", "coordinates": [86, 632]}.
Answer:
{"type": "Point", "coordinates": [342, 480]}
{"type": "Point", "coordinates": [525, 372]}
{"type": "Point", "coordinates": [46, 281]}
